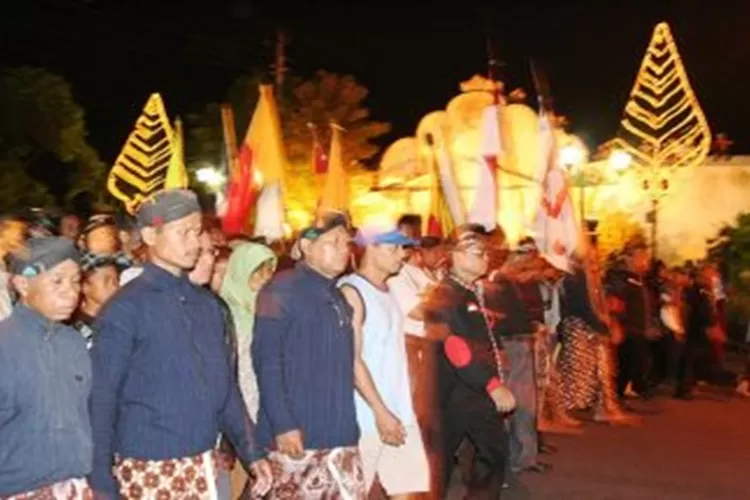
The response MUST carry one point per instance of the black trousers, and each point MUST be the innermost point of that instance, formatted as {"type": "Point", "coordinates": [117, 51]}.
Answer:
{"type": "Point", "coordinates": [687, 354]}
{"type": "Point", "coordinates": [486, 430]}
{"type": "Point", "coordinates": [634, 356]}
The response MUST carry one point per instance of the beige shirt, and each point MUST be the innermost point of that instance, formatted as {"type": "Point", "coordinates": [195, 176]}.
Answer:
{"type": "Point", "coordinates": [408, 287]}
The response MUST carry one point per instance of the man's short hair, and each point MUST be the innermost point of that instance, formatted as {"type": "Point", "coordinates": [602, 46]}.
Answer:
{"type": "Point", "coordinates": [414, 220]}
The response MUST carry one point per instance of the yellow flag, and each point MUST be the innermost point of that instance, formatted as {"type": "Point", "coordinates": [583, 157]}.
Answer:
{"type": "Point", "coordinates": [336, 189]}
{"type": "Point", "coordinates": [176, 174]}
{"type": "Point", "coordinates": [141, 168]}
{"type": "Point", "coordinates": [263, 144]}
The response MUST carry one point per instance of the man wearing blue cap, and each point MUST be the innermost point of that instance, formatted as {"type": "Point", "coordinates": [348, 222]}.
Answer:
{"type": "Point", "coordinates": [391, 444]}
{"type": "Point", "coordinates": [45, 379]}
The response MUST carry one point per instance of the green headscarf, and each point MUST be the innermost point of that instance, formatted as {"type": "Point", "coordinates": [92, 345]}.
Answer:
{"type": "Point", "coordinates": [235, 289]}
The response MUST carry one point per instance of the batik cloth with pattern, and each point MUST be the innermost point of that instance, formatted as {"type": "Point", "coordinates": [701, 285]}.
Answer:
{"type": "Point", "coordinates": [72, 489]}
{"type": "Point", "coordinates": [192, 478]}
{"type": "Point", "coordinates": [578, 363]}
{"type": "Point", "coordinates": [91, 261]}
{"type": "Point", "coordinates": [319, 475]}
{"type": "Point", "coordinates": [586, 368]}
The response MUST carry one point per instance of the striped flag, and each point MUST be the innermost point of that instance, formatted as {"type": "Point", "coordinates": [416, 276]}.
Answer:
{"type": "Point", "coordinates": [263, 149]}
{"type": "Point", "coordinates": [336, 190]}
{"type": "Point", "coordinates": [319, 157]}
{"type": "Point", "coordinates": [440, 221]}
{"type": "Point", "coordinates": [485, 206]}
{"type": "Point", "coordinates": [240, 195]}
{"type": "Point", "coordinates": [555, 226]}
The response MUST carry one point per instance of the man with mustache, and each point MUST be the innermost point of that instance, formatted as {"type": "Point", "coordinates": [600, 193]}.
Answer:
{"type": "Point", "coordinates": [163, 386]}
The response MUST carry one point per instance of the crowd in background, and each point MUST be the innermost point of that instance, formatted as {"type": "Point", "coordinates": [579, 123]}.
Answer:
{"type": "Point", "coordinates": [361, 361]}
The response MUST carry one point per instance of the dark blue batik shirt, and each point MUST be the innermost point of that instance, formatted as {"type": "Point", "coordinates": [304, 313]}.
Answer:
{"type": "Point", "coordinates": [163, 385]}
{"type": "Point", "coordinates": [45, 381]}
{"type": "Point", "coordinates": [303, 354]}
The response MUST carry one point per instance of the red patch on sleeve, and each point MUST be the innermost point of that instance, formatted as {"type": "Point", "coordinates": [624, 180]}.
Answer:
{"type": "Point", "coordinates": [616, 305]}
{"type": "Point", "coordinates": [458, 351]}
{"type": "Point", "coordinates": [493, 384]}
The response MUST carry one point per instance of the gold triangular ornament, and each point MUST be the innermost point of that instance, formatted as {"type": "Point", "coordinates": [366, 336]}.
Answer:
{"type": "Point", "coordinates": [142, 167]}
{"type": "Point", "coordinates": [663, 126]}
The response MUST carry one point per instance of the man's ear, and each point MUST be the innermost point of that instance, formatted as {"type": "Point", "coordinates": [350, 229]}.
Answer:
{"type": "Point", "coordinates": [21, 284]}
{"type": "Point", "coordinates": [148, 235]}
{"type": "Point", "coordinates": [304, 245]}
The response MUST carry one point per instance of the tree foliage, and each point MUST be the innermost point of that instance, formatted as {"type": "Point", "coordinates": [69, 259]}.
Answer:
{"type": "Point", "coordinates": [325, 98]}
{"type": "Point", "coordinates": [731, 249]}
{"type": "Point", "coordinates": [205, 138]}
{"type": "Point", "coordinates": [40, 119]}
{"type": "Point", "coordinates": [615, 229]}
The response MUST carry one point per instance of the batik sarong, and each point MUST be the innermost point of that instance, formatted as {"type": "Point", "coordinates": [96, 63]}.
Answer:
{"type": "Point", "coordinates": [72, 489]}
{"type": "Point", "coordinates": [192, 478]}
{"type": "Point", "coordinates": [587, 368]}
{"type": "Point", "coordinates": [334, 474]}
{"type": "Point", "coordinates": [578, 364]}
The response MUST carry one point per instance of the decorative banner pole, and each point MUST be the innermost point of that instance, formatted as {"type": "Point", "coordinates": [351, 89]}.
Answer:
{"type": "Point", "coordinates": [663, 126]}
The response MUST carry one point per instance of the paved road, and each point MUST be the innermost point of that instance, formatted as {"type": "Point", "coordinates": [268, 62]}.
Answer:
{"type": "Point", "coordinates": [683, 450]}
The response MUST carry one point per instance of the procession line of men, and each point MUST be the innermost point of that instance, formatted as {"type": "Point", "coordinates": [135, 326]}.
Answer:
{"type": "Point", "coordinates": [140, 417]}
{"type": "Point", "coordinates": [380, 374]}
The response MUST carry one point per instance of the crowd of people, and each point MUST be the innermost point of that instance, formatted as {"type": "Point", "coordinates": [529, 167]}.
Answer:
{"type": "Point", "coordinates": [155, 357]}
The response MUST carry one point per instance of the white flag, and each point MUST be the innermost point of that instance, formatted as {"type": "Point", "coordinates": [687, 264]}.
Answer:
{"type": "Point", "coordinates": [485, 206]}
{"type": "Point", "coordinates": [555, 227]}
{"type": "Point", "coordinates": [269, 213]}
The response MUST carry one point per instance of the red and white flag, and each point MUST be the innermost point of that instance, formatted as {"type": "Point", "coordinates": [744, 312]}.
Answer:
{"type": "Point", "coordinates": [555, 226]}
{"type": "Point", "coordinates": [485, 206]}
{"type": "Point", "coordinates": [319, 157]}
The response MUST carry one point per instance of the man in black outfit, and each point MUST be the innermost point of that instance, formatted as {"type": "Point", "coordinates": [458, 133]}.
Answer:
{"type": "Point", "coordinates": [633, 313]}
{"type": "Point", "coordinates": [460, 317]}
{"type": "Point", "coordinates": [700, 318]}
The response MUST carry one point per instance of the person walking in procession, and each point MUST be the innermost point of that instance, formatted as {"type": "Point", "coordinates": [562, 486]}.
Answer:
{"type": "Point", "coordinates": [461, 315]}
{"type": "Point", "coordinates": [45, 379]}
{"type": "Point", "coordinates": [303, 354]}
{"type": "Point", "coordinates": [163, 387]}
{"type": "Point", "coordinates": [391, 443]}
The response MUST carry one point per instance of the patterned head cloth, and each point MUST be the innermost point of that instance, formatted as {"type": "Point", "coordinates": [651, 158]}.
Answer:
{"type": "Point", "coordinates": [97, 221]}
{"type": "Point", "coordinates": [41, 223]}
{"type": "Point", "coordinates": [41, 255]}
{"type": "Point", "coordinates": [468, 236]}
{"type": "Point", "coordinates": [326, 222]}
{"type": "Point", "coordinates": [167, 206]}
{"type": "Point", "coordinates": [91, 261]}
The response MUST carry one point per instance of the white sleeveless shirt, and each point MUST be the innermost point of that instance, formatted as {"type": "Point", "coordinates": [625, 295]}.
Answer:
{"type": "Point", "coordinates": [384, 353]}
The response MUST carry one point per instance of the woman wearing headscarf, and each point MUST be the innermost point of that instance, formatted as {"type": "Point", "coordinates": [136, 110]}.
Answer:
{"type": "Point", "coordinates": [248, 269]}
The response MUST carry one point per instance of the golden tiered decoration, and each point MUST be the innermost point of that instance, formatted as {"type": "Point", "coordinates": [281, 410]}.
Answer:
{"type": "Point", "coordinates": [151, 159]}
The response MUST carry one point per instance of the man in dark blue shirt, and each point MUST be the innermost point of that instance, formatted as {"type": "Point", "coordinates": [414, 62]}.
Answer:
{"type": "Point", "coordinates": [163, 387]}
{"type": "Point", "coordinates": [303, 354]}
{"type": "Point", "coordinates": [45, 379]}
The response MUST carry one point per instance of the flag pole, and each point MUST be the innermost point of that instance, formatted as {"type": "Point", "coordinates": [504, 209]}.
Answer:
{"type": "Point", "coordinates": [319, 179]}
{"type": "Point", "coordinates": [543, 102]}
{"type": "Point", "coordinates": [491, 64]}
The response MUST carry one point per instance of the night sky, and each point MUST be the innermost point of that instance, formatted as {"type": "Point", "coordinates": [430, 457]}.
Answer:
{"type": "Point", "coordinates": [411, 58]}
